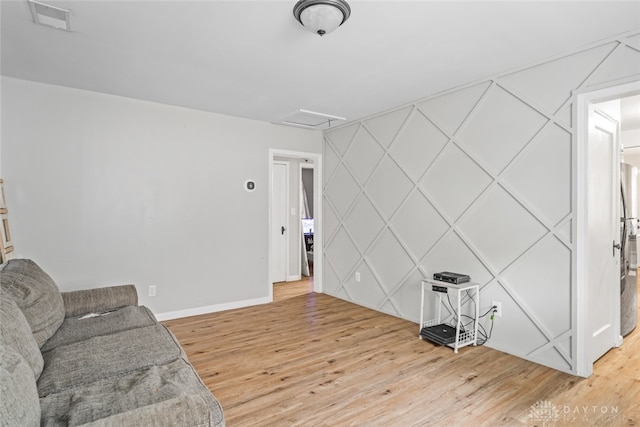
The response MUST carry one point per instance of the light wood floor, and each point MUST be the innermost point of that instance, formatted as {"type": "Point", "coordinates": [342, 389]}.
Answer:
{"type": "Point", "coordinates": [309, 359]}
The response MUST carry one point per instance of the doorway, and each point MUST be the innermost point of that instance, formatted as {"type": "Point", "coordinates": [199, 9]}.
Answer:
{"type": "Point", "coordinates": [294, 236]}
{"type": "Point", "coordinates": [629, 297]}
{"type": "Point", "coordinates": [596, 289]}
{"type": "Point", "coordinates": [307, 218]}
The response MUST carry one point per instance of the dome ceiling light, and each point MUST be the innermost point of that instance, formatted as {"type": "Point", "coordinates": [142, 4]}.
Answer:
{"type": "Point", "coordinates": [321, 16]}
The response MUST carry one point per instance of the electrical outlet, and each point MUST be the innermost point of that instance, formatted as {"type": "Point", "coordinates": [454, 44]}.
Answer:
{"type": "Point", "coordinates": [358, 276]}
{"type": "Point", "coordinates": [152, 290]}
{"type": "Point", "coordinates": [497, 311]}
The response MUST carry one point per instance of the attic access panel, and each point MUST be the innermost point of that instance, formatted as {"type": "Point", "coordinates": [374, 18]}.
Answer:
{"type": "Point", "coordinates": [311, 120]}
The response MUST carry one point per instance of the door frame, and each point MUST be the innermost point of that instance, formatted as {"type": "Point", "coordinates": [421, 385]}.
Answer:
{"type": "Point", "coordinates": [317, 223]}
{"type": "Point", "coordinates": [583, 366]}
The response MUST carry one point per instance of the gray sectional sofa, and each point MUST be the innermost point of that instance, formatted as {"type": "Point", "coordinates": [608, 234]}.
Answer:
{"type": "Point", "coordinates": [91, 358]}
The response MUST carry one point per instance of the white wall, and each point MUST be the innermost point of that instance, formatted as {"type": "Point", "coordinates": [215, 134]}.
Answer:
{"type": "Point", "coordinates": [631, 138]}
{"type": "Point", "coordinates": [307, 183]}
{"type": "Point", "coordinates": [631, 154]}
{"type": "Point", "coordinates": [108, 190]}
{"type": "Point", "coordinates": [476, 180]}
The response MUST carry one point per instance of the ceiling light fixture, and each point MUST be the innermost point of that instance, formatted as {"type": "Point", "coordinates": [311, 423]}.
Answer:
{"type": "Point", "coordinates": [321, 16]}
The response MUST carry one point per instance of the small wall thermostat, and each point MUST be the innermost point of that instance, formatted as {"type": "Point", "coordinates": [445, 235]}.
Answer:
{"type": "Point", "coordinates": [250, 185]}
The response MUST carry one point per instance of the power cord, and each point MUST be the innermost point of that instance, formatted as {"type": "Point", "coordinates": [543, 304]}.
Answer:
{"type": "Point", "coordinates": [483, 336]}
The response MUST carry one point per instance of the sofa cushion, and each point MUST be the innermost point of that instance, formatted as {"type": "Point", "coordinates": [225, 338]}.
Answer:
{"type": "Point", "coordinates": [168, 395]}
{"type": "Point", "coordinates": [75, 329]}
{"type": "Point", "coordinates": [183, 411]}
{"type": "Point", "coordinates": [19, 405]}
{"type": "Point", "coordinates": [15, 333]}
{"type": "Point", "coordinates": [101, 357]}
{"type": "Point", "coordinates": [36, 294]}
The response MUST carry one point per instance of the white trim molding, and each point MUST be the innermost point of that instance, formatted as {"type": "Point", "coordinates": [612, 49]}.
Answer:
{"type": "Point", "coordinates": [583, 100]}
{"type": "Point", "coordinates": [479, 178]}
{"type": "Point", "coordinates": [317, 202]}
{"type": "Point", "coordinates": [211, 309]}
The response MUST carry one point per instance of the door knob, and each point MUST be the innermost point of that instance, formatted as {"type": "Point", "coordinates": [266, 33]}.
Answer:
{"type": "Point", "coordinates": [616, 246]}
{"type": "Point", "coordinates": [282, 230]}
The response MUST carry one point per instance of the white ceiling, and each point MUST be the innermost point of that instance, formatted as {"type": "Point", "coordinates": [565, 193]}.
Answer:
{"type": "Point", "coordinates": [254, 60]}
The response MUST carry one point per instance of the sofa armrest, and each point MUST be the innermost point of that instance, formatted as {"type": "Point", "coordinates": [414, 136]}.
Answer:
{"type": "Point", "coordinates": [99, 300]}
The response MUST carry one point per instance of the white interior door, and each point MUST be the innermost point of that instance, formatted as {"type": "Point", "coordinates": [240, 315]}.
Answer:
{"type": "Point", "coordinates": [603, 217]}
{"type": "Point", "coordinates": [279, 225]}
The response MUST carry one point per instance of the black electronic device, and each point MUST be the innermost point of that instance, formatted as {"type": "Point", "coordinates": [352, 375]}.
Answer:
{"type": "Point", "coordinates": [449, 277]}
{"type": "Point", "coordinates": [442, 334]}
{"type": "Point", "coordinates": [436, 288]}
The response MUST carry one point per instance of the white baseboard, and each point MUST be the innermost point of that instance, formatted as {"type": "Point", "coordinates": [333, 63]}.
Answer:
{"type": "Point", "coordinates": [211, 309]}
{"type": "Point", "coordinates": [294, 278]}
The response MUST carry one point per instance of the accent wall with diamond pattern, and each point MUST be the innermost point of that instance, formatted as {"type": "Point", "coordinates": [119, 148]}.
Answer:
{"type": "Point", "coordinates": [476, 180]}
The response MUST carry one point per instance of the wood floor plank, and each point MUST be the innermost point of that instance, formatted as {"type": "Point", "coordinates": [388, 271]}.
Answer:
{"type": "Point", "coordinates": [313, 360]}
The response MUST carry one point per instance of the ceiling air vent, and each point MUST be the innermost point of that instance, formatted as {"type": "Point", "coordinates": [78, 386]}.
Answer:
{"type": "Point", "coordinates": [311, 120]}
{"type": "Point", "coordinates": [50, 16]}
